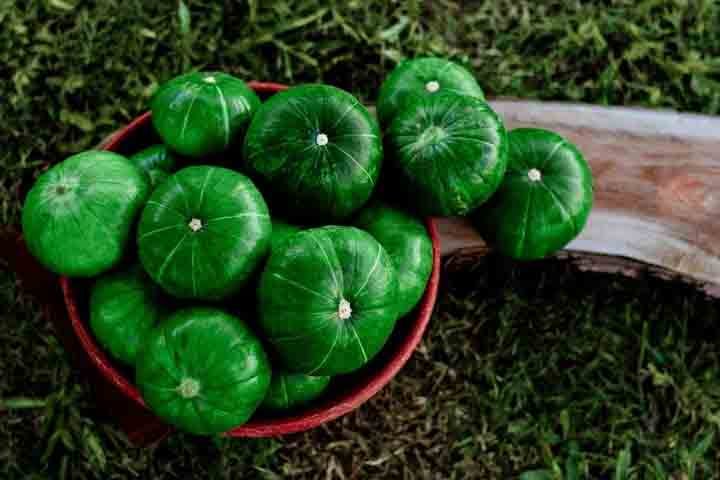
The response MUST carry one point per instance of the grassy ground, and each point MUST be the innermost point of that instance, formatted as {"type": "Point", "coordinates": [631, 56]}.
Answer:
{"type": "Point", "coordinates": [532, 368]}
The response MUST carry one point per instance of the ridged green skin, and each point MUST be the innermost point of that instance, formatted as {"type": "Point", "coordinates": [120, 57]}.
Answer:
{"type": "Point", "coordinates": [309, 181]}
{"type": "Point", "coordinates": [78, 215]}
{"type": "Point", "coordinates": [409, 81]}
{"type": "Point", "coordinates": [406, 240]}
{"type": "Point", "coordinates": [215, 260]}
{"type": "Point", "coordinates": [292, 390]}
{"type": "Point", "coordinates": [157, 176]}
{"type": "Point", "coordinates": [202, 113]}
{"type": "Point", "coordinates": [281, 231]}
{"type": "Point", "coordinates": [124, 307]}
{"type": "Point", "coordinates": [532, 219]}
{"type": "Point", "coordinates": [154, 157]}
{"type": "Point", "coordinates": [218, 352]}
{"type": "Point", "coordinates": [449, 151]}
{"type": "Point", "coordinates": [302, 288]}
{"type": "Point", "coordinates": [157, 161]}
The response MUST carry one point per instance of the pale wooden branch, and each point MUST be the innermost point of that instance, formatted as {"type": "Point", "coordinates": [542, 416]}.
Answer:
{"type": "Point", "coordinates": [657, 189]}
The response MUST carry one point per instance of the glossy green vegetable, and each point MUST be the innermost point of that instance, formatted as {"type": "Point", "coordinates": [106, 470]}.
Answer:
{"type": "Point", "coordinates": [422, 78]}
{"type": "Point", "coordinates": [202, 113]}
{"type": "Point", "coordinates": [154, 157]}
{"type": "Point", "coordinates": [281, 231]}
{"type": "Point", "coordinates": [406, 240]}
{"type": "Point", "coordinates": [328, 300]}
{"type": "Point", "coordinates": [124, 306]}
{"type": "Point", "coordinates": [203, 371]}
{"type": "Point", "coordinates": [157, 161]}
{"type": "Point", "coordinates": [157, 176]}
{"type": "Point", "coordinates": [449, 151]}
{"type": "Point", "coordinates": [78, 215]}
{"type": "Point", "coordinates": [291, 390]}
{"type": "Point", "coordinates": [317, 150]}
{"type": "Point", "coordinates": [544, 200]}
{"type": "Point", "coordinates": [203, 232]}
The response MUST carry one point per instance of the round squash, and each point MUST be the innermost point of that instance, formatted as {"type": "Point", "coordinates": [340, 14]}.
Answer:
{"type": "Point", "coordinates": [316, 150]}
{"type": "Point", "coordinates": [544, 200]}
{"type": "Point", "coordinates": [420, 78]}
{"type": "Point", "coordinates": [328, 300]}
{"type": "Point", "coordinates": [202, 113]}
{"type": "Point", "coordinates": [157, 161]}
{"type": "Point", "coordinates": [124, 307]}
{"type": "Point", "coordinates": [203, 371]}
{"type": "Point", "coordinates": [203, 232]}
{"type": "Point", "coordinates": [78, 215]}
{"type": "Point", "coordinates": [154, 157]}
{"type": "Point", "coordinates": [449, 151]}
{"type": "Point", "coordinates": [406, 240]}
{"type": "Point", "coordinates": [292, 390]}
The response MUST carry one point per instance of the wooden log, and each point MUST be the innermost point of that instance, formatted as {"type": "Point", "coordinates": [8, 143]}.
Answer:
{"type": "Point", "coordinates": [657, 190]}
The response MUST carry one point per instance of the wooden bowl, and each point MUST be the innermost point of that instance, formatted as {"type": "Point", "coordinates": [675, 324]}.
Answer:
{"type": "Point", "coordinates": [346, 393]}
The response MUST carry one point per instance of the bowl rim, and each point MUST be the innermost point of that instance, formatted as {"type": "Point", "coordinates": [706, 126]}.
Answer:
{"type": "Point", "coordinates": [337, 405]}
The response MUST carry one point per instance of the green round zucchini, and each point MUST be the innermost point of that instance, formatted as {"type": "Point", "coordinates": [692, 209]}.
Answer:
{"type": "Point", "coordinates": [406, 240]}
{"type": "Point", "coordinates": [78, 215]}
{"type": "Point", "coordinates": [203, 371]}
{"type": "Point", "coordinates": [449, 153]}
{"type": "Point", "coordinates": [203, 232]}
{"type": "Point", "coordinates": [420, 78]}
{"type": "Point", "coordinates": [292, 390]}
{"type": "Point", "coordinates": [124, 307]}
{"type": "Point", "coordinates": [202, 113]}
{"type": "Point", "coordinates": [316, 150]}
{"type": "Point", "coordinates": [328, 300]}
{"type": "Point", "coordinates": [544, 200]}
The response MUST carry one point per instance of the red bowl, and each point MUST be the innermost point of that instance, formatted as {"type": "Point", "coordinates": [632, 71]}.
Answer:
{"type": "Point", "coordinates": [345, 394]}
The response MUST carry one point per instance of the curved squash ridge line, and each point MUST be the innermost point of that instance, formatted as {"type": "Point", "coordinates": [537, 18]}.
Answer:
{"type": "Point", "coordinates": [215, 407]}
{"type": "Point", "coordinates": [338, 290]}
{"type": "Point", "coordinates": [204, 186]}
{"type": "Point", "coordinates": [187, 113]}
{"type": "Point", "coordinates": [523, 239]}
{"type": "Point", "coordinates": [273, 147]}
{"type": "Point", "coordinates": [303, 115]}
{"type": "Point", "coordinates": [345, 113]}
{"type": "Point", "coordinates": [202, 420]}
{"type": "Point", "coordinates": [552, 153]}
{"type": "Point", "coordinates": [157, 230]}
{"type": "Point", "coordinates": [165, 207]}
{"type": "Point", "coordinates": [447, 66]}
{"type": "Point", "coordinates": [562, 207]}
{"type": "Point", "coordinates": [159, 388]}
{"type": "Point", "coordinates": [302, 287]}
{"type": "Point", "coordinates": [471, 139]}
{"type": "Point", "coordinates": [372, 270]}
{"type": "Point", "coordinates": [225, 113]}
{"type": "Point", "coordinates": [184, 193]}
{"type": "Point", "coordinates": [192, 267]}
{"type": "Point", "coordinates": [327, 356]}
{"type": "Point", "coordinates": [240, 215]}
{"type": "Point", "coordinates": [294, 338]}
{"type": "Point", "coordinates": [283, 387]}
{"type": "Point", "coordinates": [357, 338]}
{"type": "Point", "coordinates": [170, 255]}
{"type": "Point", "coordinates": [99, 222]}
{"type": "Point", "coordinates": [372, 182]}
{"type": "Point", "coordinates": [357, 135]}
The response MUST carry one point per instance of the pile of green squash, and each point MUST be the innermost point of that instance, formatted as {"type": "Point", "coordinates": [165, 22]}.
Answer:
{"type": "Point", "coordinates": [265, 247]}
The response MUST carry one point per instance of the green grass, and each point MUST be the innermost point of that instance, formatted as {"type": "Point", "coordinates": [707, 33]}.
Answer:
{"type": "Point", "coordinates": [525, 368]}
